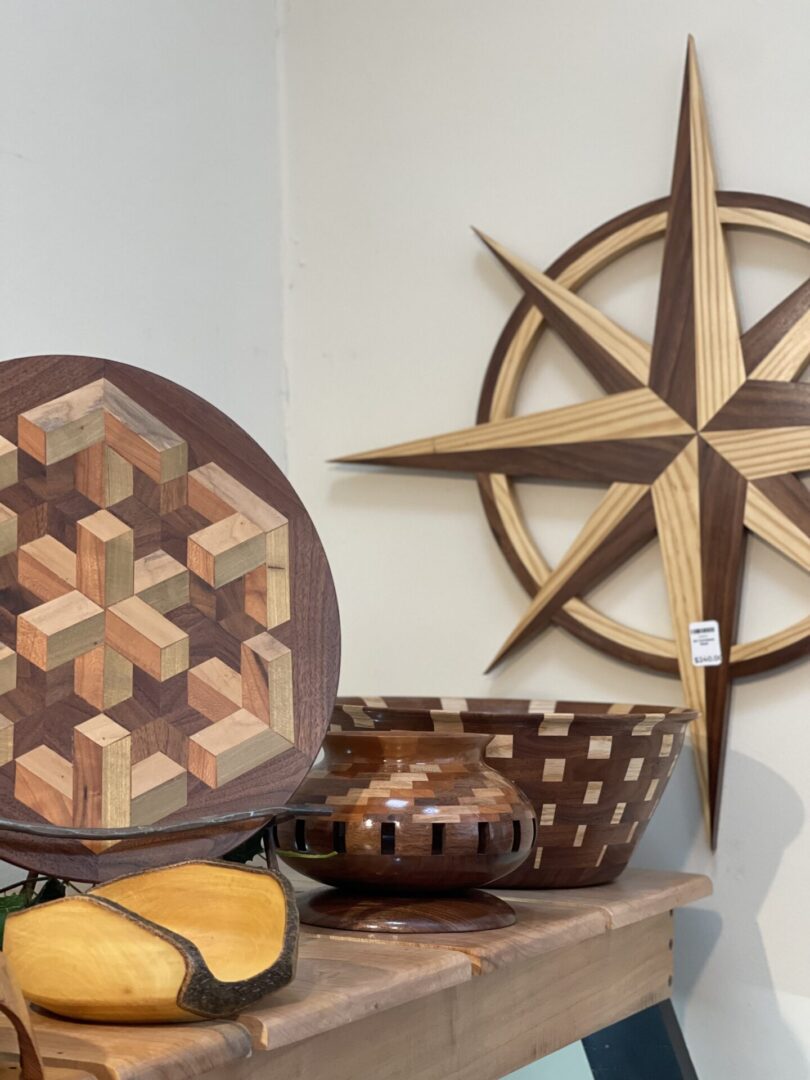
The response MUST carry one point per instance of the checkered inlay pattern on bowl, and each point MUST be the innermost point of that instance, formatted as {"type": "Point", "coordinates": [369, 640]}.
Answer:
{"type": "Point", "coordinates": [594, 772]}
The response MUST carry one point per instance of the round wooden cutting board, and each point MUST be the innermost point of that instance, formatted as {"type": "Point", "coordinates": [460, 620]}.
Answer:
{"type": "Point", "coordinates": [169, 636]}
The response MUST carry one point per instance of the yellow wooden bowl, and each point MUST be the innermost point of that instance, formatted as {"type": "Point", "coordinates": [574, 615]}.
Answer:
{"type": "Point", "coordinates": [195, 940]}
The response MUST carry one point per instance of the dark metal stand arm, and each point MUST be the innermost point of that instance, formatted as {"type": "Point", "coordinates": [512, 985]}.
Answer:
{"type": "Point", "coordinates": [646, 1046]}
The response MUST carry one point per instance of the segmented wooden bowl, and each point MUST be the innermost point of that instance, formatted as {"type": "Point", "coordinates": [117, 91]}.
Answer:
{"type": "Point", "coordinates": [594, 772]}
{"type": "Point", "coordinates": [412, 812]}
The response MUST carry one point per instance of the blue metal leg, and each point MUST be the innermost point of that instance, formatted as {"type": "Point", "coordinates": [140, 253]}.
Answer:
{"type": "Point", "coordinates": [646, 1046]}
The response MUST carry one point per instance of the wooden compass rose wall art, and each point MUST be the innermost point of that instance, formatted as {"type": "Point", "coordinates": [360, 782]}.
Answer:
{"type": "Point", "coordinates": [168, 627]}
{"type": "Point", "coordinates": [701, 437]}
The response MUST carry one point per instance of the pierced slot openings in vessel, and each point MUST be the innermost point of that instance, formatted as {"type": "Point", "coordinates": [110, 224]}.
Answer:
{"type": "Point", "coordinates": [515, 836]}
{"type": "Point", "coordinates": [388, 832]}
{"type": "Point", "coordinates": [339, 837]}
{"type": "Point", "coordinates": [437, 843]}
{"type": "Point", "coordinates": [301, 834]}
{"type": "Point", "coordinates": [483, 837]}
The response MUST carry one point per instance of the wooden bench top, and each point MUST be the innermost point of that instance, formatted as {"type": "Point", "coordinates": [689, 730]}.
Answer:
{"type": "Point", "coordinates": [347, 978]}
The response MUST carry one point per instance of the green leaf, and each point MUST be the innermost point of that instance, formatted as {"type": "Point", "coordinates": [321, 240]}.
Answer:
{"type": "Point", "coordinates": [306, 854]}
{"type": "Point", "coordinates": [15, 902]}
{"type": "Point", "coordinates": [248, 851]}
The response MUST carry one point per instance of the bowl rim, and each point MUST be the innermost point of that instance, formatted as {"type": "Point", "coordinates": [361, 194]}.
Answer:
{"type": "Point", "coordinates": [516, 709]}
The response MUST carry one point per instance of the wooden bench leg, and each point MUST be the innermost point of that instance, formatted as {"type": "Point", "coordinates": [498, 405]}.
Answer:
{"type": "Point", "coordinates": [647, 1046]}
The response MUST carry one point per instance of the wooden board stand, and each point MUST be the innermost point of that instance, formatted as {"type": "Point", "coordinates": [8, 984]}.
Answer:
{"type": "Point", "coordinates": [168, 627]}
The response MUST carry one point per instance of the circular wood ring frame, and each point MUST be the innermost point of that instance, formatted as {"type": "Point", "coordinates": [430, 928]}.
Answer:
{"type": "Point", "coordinates": [585, 258]}
{"type": "Point", "coordinates": [264, 775]}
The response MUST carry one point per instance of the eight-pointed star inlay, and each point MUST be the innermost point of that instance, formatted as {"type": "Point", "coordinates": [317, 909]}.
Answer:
{"type": "Point", "coordinates": [701, 436]}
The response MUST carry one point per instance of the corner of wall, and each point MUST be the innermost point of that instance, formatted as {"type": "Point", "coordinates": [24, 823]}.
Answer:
{"type": "Point", "coordinates": [280, 8]}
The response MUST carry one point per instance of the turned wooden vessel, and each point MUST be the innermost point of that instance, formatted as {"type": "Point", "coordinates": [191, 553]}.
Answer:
{"type": "Point", "coordinates": [594, 772]}
{"type": "Point", "coordinates": [413, 813]}
{"type": "Point", "coordinates": [379, 913]}
{"type": "Point", "coordinates": [185, 942]}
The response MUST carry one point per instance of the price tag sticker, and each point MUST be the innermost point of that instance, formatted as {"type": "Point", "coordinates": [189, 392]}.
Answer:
{"type": "Point", "coordinates": [705, 639]}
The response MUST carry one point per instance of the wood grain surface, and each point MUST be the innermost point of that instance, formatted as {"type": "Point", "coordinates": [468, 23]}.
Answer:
{"type": "Point", "coordinates": [603, 345]}
{"type": "Point", "coordinates": [132, 515]}
{"type": "Point", "coordinates": [461, 913]}
{"type": "Point", "coordinates": [124, 1052]}
{"type": "Point", "coordinates": [636, 894]}
{"type": "Point", "coordinates": [338, 983]}
{"type": "Point", "coordinates": [488, 1027]}
{"type": "Point", "coordinates": [537, 931]}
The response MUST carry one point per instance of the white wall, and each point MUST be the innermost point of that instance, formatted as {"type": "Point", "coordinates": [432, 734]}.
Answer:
{"type": "Point", "coordinates": [139, 192]}
{"type": "Point", "coordinates": [405, 123]}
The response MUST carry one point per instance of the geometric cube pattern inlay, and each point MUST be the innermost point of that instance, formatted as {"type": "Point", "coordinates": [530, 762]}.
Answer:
{"type": "Point", "coordinates": [138, 596]}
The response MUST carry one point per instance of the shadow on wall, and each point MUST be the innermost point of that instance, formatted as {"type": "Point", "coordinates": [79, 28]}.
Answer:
{"type": "Point", "coordinates": [768, 816]}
